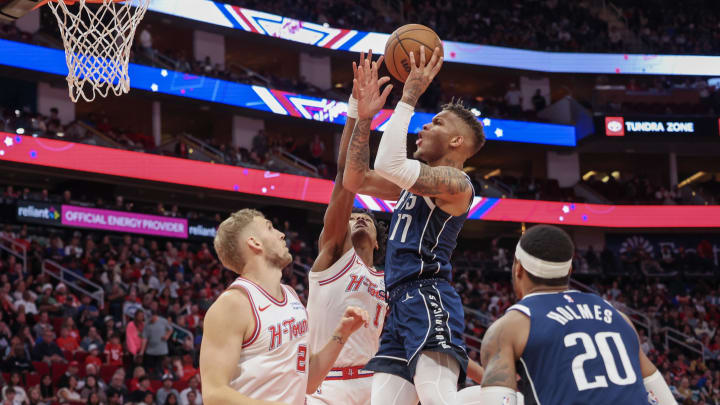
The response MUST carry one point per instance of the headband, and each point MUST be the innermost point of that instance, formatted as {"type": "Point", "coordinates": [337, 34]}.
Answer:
{"type": "Point", "coordinates": [541, 268]}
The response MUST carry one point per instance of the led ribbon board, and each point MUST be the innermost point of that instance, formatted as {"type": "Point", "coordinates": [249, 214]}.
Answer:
{"type": "Point", "coordinates": [116, 162]}
{"type": "Point", "coordinates": [308, 33]}
{"type": "Point", "coordinates": [187, 85]}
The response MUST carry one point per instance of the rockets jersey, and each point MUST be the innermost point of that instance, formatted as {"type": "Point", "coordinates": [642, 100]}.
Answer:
{"type": "Point", "coordinates": [347, 282]}
{"type": "Point", "coordinates": [580, 350]}
{"type": "Point", "coordinates": [273, 364]}
{"type": "Point", "coordinates": [421, 240]}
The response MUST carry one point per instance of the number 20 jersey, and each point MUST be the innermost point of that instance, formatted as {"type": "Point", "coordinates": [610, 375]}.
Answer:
{"type": "Point", "coordinates": [580, 350]}
{"type": "Point", "coordinates": [421, 240]}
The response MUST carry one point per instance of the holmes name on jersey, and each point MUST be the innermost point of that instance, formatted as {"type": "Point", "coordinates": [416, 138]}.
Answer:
{"type": "Point", "coordinates": [289, 328]}
{"type": "Point", "coordinates": [567, 313]}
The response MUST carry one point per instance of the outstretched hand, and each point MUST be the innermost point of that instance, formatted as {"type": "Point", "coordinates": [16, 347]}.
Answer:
{"type": "Point", "coordinates": [366, 86]}
{"type": "Point", "coordinates": [421, 75]}
{"type": "Point", "coordinates": [352, 320]}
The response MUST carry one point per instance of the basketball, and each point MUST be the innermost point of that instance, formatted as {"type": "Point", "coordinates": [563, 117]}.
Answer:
{"type": "Point", "coordinates": [406, 39]}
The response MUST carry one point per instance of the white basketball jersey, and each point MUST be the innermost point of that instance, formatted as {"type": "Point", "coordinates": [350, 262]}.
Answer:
{"type": "Point", "coordinates": [273, 364]}
{"type": "Point", "coordinates": [347, 282]}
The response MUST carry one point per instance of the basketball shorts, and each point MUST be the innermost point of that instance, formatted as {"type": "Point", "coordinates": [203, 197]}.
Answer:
{"type": "Point", "coordinates": [424, 315]}
{"type": "Point", "coordinates": [350, 392]}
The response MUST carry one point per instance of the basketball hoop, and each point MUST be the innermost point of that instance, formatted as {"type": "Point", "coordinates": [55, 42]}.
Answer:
{"type": "Point", "coordinates": [97, 35]}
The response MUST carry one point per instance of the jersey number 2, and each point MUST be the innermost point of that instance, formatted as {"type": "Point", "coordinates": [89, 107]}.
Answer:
{"type": "Point", "coordinates": [602, 340]}
{"type": "Point", "coordinates": [301, 358]}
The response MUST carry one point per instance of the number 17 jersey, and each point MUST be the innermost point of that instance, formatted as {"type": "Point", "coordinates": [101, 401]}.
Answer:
{"type": "Point", "coordinates": [421, 240]}
{"type": "Point", "coordinates": [580, 350]}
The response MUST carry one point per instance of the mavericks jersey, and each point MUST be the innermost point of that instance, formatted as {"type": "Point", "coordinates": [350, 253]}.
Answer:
{"type": "Point", "coordinates": [273, 363]}
{"type": "Point", "coordinates": [421, 240]}
{"type": "Point", "coordinates": [347, 282]}
{"type": "Point", "coordinates": [580, 350]}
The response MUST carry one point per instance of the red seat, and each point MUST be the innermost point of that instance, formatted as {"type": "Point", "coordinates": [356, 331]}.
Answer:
{"type": "Point", "coordinates": [6, 377]}
{"type": "Point", "coordinates": [56, 323]}
{"type": "Point", "coordinates": [80, 356]}
{"type": "Point", "coordinates": [58, 369]}
{"type": "Point", "coordinates": [32, 379]}
{"type": "Point", "coordinates": [155, 385]}
{"type": "Point", "coordinates": [107, 371]}
{"type": "Point", "coordinates": [41, 367]}
{"type": "Point", "coordinates": [180, 385]}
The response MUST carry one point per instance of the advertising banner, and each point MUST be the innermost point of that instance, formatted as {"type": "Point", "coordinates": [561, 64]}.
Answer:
{"type": "Point", "coordinates": [38, 212]}
{"type": "Point", "coordinates": [93, 218]}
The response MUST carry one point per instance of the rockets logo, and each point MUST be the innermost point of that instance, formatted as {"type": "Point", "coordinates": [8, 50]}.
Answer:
{"type": "Point", "coordinates": [568, 298]}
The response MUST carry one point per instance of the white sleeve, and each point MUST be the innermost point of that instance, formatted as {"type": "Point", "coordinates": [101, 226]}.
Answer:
{"type": "Point", "coordinates": [497, 396]}
{"type": "Point", "coordinates": [391, 161]}
{"type": "Point", "coordinates": [658, 390]}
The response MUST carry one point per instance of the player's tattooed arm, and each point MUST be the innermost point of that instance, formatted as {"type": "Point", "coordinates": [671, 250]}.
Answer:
{"type": "Point", "coordinates": [358, 178]}
{"type": "Point", "coordinates": [358, 156]}
{"type": "Point", "coordinates": [497, 356]}
{"type": "Point", "coordinates": [421, 75]}
{"type": "Point", "coordinates": [442, 181]}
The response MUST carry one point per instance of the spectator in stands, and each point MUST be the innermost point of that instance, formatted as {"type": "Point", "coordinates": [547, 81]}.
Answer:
{"type": "Point", "coordinates": [47, 350]}
{"type": "Point", "coordinates": [9, 397]}
{"type": "Point", "coordinates": [155, 342]}
{"type": "Point", "coordinates": [92, 338]}
{"type": "Point", "coordinates": [133, 335]}
{"type": "Point", "coordinates": [15, 384]}
{"type": "Point", "coordinates": [27, 303]}
{"type": "Point", "coordinates": [67, 342]}
{"type": "Point", "coordinates": [68, 392]}
{"type": "Point", "coordinates": [146, 43]}
{"type": "Point", "coordinates": [191, 391]}
{"type": "Point", "coordinates": [538, 101]}
{"type": "Point", "coordinates": [90, 387]}
{"type": "Point", "coordinates": [35, 396]}
{"type": "Point", "coordinates": [47, 388]}
{"type": "Point", "coordinates": [71, 372]}
{"type": "Point", "coordinates": [513, 99]}
{"type": "Point", "coordinates": [166, 390]}
{"type": "Point", "coordinates": [260, 146]}
{"type": "Point", "coordinates": [171, 399]}
{"type": "Point", "coordinates": [143, 388]}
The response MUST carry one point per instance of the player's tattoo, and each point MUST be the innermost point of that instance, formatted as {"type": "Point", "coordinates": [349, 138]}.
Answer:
{"type": "Point", "coordinates": [499, 370]}
{"type": "Point", "coordinates": [412, 91]}
{"type": "Point", "coordinates": [359, 150]}
{"type": "Point", "coordinates": [338, 339]}
{"type": "Point", "coordinates": [439, 180]}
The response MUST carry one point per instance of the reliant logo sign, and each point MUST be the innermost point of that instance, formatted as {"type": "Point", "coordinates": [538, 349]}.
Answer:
{"type": "Point", "coordinates": [38, 212]}
{"type": "Point", "coordinates": [202, 230]}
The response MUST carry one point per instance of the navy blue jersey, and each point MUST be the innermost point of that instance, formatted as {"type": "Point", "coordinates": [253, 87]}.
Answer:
{"type": "Point", "coordinates": [580, 351]}
{"type": "Point", "coordinates": [421, 240]}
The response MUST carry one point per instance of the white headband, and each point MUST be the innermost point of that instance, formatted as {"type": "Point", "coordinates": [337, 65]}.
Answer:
{"type": "Point", "coordinates": [541, 268]}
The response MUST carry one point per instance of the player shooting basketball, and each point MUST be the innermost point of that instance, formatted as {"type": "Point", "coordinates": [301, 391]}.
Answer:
{"type": "Point", "coordinates": [343, 274]}
{"type": "Point", "coordinates": [254, 347]}
{"type": "Point", "coordinates": [422, 341]}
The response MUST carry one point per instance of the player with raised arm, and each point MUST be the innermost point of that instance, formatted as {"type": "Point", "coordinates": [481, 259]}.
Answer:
{"type": "Point", "coordinates": [569, 347]}
{"type": "Point", "coordinates": [422, 355]}
{"type": "Point", "coordinates": [254, 347]}
{"type": "Point", "coordinates": [342, 275]}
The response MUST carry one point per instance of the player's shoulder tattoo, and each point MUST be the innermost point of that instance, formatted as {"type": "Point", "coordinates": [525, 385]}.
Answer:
{"type": "Point", "coordinates": [440, 180]}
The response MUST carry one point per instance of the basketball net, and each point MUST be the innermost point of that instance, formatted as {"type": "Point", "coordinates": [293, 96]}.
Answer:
{"type": "Point", "coordinates": [97, 38]}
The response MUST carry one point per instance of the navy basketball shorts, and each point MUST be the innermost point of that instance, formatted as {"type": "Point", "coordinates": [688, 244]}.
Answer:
{"type": "Point", "coordinates": [425, 315]}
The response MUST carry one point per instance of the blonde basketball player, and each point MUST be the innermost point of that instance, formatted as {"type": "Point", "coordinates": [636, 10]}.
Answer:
{"type": "Point", "coordinates": [342, 275]}
{"type": "Point", "coordinates": [254, 348]}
